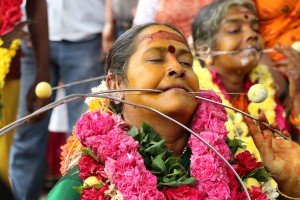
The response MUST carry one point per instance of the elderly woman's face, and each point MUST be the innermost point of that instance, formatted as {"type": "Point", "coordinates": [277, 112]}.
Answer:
{"type": "Point", "coordinates": [164, 62]}
{"type": "Point", "coordinates": [239, 30]}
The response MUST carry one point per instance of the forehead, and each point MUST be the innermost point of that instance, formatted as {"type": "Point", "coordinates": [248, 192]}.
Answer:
{"type": "Point", "coordinates": [160, 33]}
{"type": "Point", "coordinates": [240, 12]}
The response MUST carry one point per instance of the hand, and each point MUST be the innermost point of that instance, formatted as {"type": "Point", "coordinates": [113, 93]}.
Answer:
{"type": "Point", "coordinates": [16, 32]}
{"type": "Point", "coordinates": [34, 103]}
{"type": "Point", "coordinates": [280, 156]}
{"type": "Point", "coordinates": [290, 68]}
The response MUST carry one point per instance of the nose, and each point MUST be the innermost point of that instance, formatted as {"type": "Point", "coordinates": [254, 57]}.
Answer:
{"type": "Point", "coordinates": [251, 35]}
{"type": "Point", "coordinates": [176, 71]}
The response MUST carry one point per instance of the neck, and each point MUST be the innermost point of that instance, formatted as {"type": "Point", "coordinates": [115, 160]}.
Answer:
{"type": "Point", "coordinates": [232, 80]}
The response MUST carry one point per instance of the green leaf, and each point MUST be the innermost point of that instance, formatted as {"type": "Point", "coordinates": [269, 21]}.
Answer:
{"type": "Point", "coordinates": [156, 148]}
{"type": "Point", "coordinates": [158, 164]}
{"type": "Point", "coordinates": [234, 144]}
{"type": "Point", "coordinates": [157, 159]}
{"type": "Point", "coordinates": [88, 151]}
{"type": "Point", "coordinates": [260, 174]}
{"type": "Point", "coordinates": [133, 132]}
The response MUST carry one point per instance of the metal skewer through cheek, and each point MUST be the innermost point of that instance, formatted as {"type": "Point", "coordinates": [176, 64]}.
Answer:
{"type": "Point", "coordinates": [203, 55]}
{"type": "Point", "coordinates": [246, 114]}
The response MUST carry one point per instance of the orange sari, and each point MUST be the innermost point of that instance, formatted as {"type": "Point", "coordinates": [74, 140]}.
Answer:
{"type": "Point", "coordinates": [279, 22]}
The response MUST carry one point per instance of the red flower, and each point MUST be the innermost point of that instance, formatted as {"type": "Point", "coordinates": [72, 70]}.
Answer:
{"type": "Point", "coordinates": [183, 192]}
{"type": "Point", "coordinates": [10, 14]}
{"type": "Point", "coordinates": [246, 163]}
{"type": "Point", "coordinates": [232, 181]}
{"type": "Point", "coordinates": [255, 193]}
{"type": "Point", "coordinates": [94, 194]}
{"type": "Point", "coordinates": [88, 166]}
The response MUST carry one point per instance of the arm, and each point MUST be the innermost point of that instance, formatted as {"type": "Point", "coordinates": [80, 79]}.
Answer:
{"type": "Point", "coordinates": [108, 34]}
{"type": "Point", "coordinates": [280, 157]}
{"type": "Point", "coordinates": [38, 28]}
{"type": "Point", "coordinates": [290, 68]}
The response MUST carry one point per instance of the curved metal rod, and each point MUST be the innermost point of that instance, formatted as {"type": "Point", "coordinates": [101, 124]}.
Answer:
{"type": "Point", "coordinates": [248, 115]}
{"type": "Point", "coordinates": [100, 95]}
{"type": "Point", "coordinates": [79, 82]}
{"type": "Point", "coordinates": [64, 100]}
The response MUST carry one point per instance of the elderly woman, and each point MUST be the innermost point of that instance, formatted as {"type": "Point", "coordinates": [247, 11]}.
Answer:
{"type": "Point", "coordinates": [232, 26]}
{"type": "Point", "coordinates": [139, 154]}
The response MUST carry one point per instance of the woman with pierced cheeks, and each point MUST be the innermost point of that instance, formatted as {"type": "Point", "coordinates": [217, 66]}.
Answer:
{"type": "Point", "coordinates": [152, 56]}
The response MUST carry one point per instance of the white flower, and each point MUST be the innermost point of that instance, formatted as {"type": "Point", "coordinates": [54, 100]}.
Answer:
{"type": "Point", "coordinates": [270, 190]}
{"type": "Point", "coordinates": [99, 88]}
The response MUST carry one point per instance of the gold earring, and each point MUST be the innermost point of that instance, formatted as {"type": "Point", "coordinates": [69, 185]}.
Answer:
{"type": "Point", "coordinates": [209, 60]}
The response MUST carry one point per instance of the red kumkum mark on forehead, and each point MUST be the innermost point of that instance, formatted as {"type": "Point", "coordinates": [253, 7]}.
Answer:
{"type": "Point", "coordinates": [246, 16]}
{"type": "Point", "coordinates": [164, 35]}
{"type": "Point", "coordinates": [171, 49]}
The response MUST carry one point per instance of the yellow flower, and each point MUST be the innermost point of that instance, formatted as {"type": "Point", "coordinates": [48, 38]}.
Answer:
{"type": "Point", "coordinates": [6, 56]}
{"type": "Point", "coordinates": [235, 124]}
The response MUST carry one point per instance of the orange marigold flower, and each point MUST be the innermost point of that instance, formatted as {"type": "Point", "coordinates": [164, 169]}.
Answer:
{"type": "Point", "coordinates": [70, 154]}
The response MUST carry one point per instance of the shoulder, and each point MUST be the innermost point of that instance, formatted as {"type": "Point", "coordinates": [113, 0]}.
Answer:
{"type": "Point", "coordinates": [64, 188]}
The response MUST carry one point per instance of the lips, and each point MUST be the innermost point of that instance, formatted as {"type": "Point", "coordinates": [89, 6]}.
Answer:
{"type": "Point", "coordinates": [175, 87]}
{"type": "Point", "coordinates": [255, 48]}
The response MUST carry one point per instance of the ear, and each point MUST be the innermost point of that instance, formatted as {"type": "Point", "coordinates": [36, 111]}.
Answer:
{"type": "Point", "coordinates": [112, 81]}
{"type": "Point", "coordinates": [205, 51]}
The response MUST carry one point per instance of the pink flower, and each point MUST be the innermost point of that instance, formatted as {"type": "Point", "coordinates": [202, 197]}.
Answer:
{"type": "Point", "coordinates": [113, 144]}
{"type": "Point", "coordinates": [209, 116]}
{"type": "Point", "coordinates": [182, 192]}
{"type": "Point", "coordinates": [92, 124]}
{"type": "Point", "coordinates": [130, 176]}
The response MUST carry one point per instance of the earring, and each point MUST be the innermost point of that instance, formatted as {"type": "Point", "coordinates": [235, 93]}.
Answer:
{"type": "Point", "coordinates": [209, 60]}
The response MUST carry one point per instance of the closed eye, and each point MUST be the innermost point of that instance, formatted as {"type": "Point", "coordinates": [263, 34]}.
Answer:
{"type": "Point", "coordinates": [156, 60]}
{"type": "Point", "coordinates": [186, 64]}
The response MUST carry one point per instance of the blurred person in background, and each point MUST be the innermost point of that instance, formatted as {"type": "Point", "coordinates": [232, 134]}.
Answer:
{"type": "Point", "coordinates": [75, 30]}
{"type": "Point", "coordinates": [119, 16]}
{"type": "Point", "coordinates": [11, 31]}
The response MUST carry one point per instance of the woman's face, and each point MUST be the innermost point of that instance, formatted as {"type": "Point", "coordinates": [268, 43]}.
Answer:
{"type": "Point", "coordinates": [164, 62]}
{"type": "Point", "coordinates": [239, 30]}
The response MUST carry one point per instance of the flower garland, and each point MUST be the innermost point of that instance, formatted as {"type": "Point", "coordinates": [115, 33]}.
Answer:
{"type": "Point", "coordinates": [237, 127]}
{"type": "Point", "coordinates": [119, 171]}
{"type": "Point", "coordinates": [6, 56]}
{"type": "Point", "coordinates": [10, 13]}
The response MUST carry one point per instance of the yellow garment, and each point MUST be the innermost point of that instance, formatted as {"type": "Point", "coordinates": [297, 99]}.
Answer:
{"type": "Point", "coordinates": [9, 97]}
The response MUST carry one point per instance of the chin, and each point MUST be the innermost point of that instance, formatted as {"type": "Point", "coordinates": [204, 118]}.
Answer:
{"type": "Point", "coordinates": [178, 109]}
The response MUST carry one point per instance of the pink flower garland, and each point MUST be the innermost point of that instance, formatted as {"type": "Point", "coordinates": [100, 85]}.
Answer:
{"type": "Point", "coordinates": [120, 161]}
{"type": "Point", "coordinates": [208, 169]}
{"type": "Point", "coordinates": [104, 134]}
